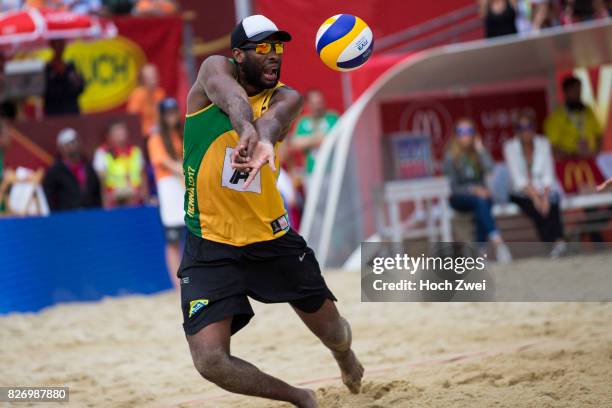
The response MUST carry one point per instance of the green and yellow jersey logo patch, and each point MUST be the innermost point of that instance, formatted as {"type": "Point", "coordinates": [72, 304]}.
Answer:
{"type": "Point", "coordinates": [196, 305]}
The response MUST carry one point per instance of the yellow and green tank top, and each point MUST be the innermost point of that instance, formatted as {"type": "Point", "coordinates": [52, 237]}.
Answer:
{"type": "Point", "coordinates": [216, 206]}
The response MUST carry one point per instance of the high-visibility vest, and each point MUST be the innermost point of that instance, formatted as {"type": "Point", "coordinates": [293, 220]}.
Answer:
{"type": "Point", "coordinates": [123, 170]}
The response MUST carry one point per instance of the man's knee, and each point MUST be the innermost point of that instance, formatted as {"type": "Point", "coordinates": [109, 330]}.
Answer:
{"type": "Point", "coordinates": [210, 362]}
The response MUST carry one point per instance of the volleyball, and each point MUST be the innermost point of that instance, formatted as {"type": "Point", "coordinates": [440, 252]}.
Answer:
{"type": "Point", "coordinates": [344, 42]}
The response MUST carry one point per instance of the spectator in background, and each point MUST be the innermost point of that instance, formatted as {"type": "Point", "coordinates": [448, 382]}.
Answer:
{"type": "Point", "coordinates": [573, 129]}
{"type": "Point", "coordinates": [529, 159]}
{"type": "Point", "coordinates": [165, 148]}
{"type": "Point", "coordinates": [77, 6]}
{"type": "Point", "coordinates": [5, 142]}
{"type": "Point", "coordinates": [154, 7]}
{"type": "Point", "coordinates": [575, 133]}
{"type": "Point", "coordinates": [602, 8]}
{"type": "Point", "coordinates": [84, 6]}
{"type": "Point", "coordinates": [71, 181]}
{"type": "Point", "coordinates": [499, 17]}
{"type": "Point", "coordinates": [584, 10]}
{"type": "Point", "coordinates": [119, 7]}
{"type": "Point", "coordinates": [120, 167]}
{"type": "Point", "coordinates": [145, 99]}
{"type": "Point", "coordinates": [466, 163]}
{"type": "Point", "coordinates": [63, 83]}
{"type": "Point", "coordinates": [9, 5]}
{"type": "Point", "coordinates": [38, 4]}
{"type": "Point", "coordinates": [8, 108]}
{"type": "Point", "coordinates": [311, 129]}
{"type": "Point", "coordinates": [534, 15]}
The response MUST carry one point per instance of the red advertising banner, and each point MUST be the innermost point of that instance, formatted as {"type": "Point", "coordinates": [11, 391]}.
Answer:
{"type": "Point", "coordinates": [493, 113]}
{"type": "Point", "coordinates": [161, 39]}
{"type": "Point", "coordinates": [111, 67]}
{"type": "Point", "coordinates": [302, 68]}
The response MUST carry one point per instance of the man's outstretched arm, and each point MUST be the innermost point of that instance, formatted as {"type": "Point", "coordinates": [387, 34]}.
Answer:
{"type": "Point", "coordinates": [216, 80]}
{"type": "Point", "coordinates": [272, 127]}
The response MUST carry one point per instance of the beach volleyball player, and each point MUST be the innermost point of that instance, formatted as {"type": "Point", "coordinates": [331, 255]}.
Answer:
{"type": "Point", "coordinates": [240, 243]}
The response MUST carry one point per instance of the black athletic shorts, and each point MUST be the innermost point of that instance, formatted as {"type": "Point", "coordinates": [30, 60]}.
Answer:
{"type": "Point", "coordinates": [217, 279]}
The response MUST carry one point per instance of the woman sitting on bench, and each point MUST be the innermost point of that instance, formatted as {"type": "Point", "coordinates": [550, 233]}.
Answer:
{"type": "Point", "coordinates": [529, 159]}
{"type": "Point", "coordinates": [466, 163]}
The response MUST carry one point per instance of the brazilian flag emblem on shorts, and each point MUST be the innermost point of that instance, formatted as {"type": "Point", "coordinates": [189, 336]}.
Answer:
{"type": "Point", "coordinates": [196, 305]}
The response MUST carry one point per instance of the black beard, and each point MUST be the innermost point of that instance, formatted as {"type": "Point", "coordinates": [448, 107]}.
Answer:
{"type": "Point", "coordinates": [253, 75]}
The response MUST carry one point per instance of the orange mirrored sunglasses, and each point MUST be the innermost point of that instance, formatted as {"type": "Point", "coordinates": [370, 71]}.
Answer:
{"type": "Point", "coordinates": [265, 48]}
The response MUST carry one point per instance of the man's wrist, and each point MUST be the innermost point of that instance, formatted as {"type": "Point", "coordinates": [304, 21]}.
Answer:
{"type": "Point", "coordinates": [266, 139]}
{"type": "Point", "coordinates": [244, 125]}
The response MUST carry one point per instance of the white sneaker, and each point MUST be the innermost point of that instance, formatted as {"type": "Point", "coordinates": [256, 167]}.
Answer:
{"type": "Point", "coordinates": [502, 254]}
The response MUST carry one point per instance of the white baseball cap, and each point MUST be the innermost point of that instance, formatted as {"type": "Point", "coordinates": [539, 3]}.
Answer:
{"type": "Point", "coordinates": [65, 136]}
{"type": "Point", "coordinates": [256, 28]}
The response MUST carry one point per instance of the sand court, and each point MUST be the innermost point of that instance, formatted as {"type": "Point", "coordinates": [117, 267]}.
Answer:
{"type": "Point", "coordinates": [131, 352]}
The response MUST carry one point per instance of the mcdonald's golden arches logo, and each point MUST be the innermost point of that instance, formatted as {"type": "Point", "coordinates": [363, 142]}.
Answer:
{"type": "Point", "coordinates": [578, 175]}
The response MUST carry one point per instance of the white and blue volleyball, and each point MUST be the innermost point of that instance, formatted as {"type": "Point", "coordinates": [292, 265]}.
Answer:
{"type": "Point", "coordinates": [344, 42]}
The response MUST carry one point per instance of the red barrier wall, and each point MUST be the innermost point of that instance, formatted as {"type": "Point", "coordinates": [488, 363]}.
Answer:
{"type": "Point", "coordinates": [33, 143]}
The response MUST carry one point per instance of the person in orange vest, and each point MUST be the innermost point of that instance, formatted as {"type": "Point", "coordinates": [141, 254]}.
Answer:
{"type": "Point", "coordinates": [120, 167]}
{"type": "Point", "coordinates": [145, 99]}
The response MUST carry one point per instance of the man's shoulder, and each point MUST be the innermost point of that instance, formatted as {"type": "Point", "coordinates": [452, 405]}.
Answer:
{"type": "Point", "coordinates": [218, 57]}
{"type": "Point", "coordinates": [218, 61]}
{"type": "Point", "coordinates": [287, 94]}
{"type": "Point", "coordinates": [285, 89]}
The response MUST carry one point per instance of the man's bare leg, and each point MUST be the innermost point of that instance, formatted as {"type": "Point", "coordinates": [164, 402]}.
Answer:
{"type": "Point", "coordinates": [210, 350]}
{"type": "Point", "coordinates": [335, 333]}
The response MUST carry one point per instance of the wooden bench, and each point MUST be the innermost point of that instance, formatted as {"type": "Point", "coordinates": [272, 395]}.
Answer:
{"type": "Point", "coordinates": [431, 218]}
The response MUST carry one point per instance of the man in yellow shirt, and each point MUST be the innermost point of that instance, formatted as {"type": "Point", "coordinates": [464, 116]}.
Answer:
{"type": "Point", "coordinates": [575, 133]}
{"type": "Point", "coordinates": [240, 244]}
{"type": "Point", "coordinates": [573, 129]}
